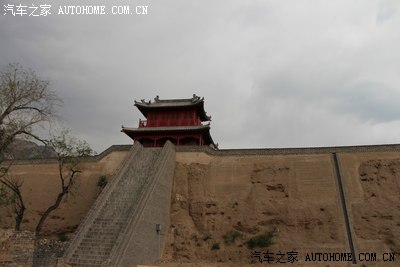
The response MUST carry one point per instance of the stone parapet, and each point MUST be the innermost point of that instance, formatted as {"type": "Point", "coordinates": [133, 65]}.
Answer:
{"type": "Point", "coordinates": [111, 149]}
{"type": "Point", "coordinates": [290, 151]}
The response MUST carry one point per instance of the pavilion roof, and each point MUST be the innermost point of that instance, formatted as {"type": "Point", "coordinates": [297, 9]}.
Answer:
{"type": "Point", "coordinates": [131, 132]}
{"type": "Point", "coordinates": [169, 104]}
{"type": "Point", "coordinates": [166, 128]}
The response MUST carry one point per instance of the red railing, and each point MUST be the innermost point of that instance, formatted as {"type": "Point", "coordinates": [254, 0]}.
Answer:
{"type": "Point", "coordinates": [169, 122]}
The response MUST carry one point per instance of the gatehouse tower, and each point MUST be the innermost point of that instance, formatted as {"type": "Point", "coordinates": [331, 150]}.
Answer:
{"type": "Point", "coordinates": [181, 121]}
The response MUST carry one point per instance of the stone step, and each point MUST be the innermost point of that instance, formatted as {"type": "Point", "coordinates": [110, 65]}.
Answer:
{"type": "Point", "coordinates": [94, 245]}
{"type": "Point", "coordinates": [99, 236]}
{"type": "Point", "coordinates": [97, 244]}
{"type": "Point", "coordinates": [93, 253]}
{"type": "Point", "coordinates": [86, 265]}
{"type": "Point", "coordinates": [89, 254]}
{"type": "Point", "coordinates": [104, 229]}
{"type": "Point", "coordinates": [86, 262]}
{"type": "Point", "coordinates": [85, 251]}
{"type": "Point", "coordinates": [102, 232]}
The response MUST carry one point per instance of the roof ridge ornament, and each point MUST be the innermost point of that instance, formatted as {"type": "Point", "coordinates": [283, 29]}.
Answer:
{"type": "Point", "coordinates": [196, 98]}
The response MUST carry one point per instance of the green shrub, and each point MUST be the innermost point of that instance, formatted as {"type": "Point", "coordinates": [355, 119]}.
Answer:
{"type": "Point", "coordinates": [62, 237]}
{"type": "Point", "coordinates": [261, 241]}
{"type": "Point", "coordinates": [230, 237]}
{"type": "Point", "coordinates": [215, 246]}
{"type": "Point", "coordinates": [102, 181]}
{"type": "Point", "coordinates": [6, 198]}
{"type": "Point", "coordinates": [194, 237]}
{"type": "Point", "coordinates": [206, 237]}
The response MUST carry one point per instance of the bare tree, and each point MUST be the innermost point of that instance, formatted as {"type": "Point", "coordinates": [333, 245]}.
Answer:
{"type": "Point", "coordinates": [14, 185]}
{"type": "Point", "coordinates": [25, 102]}
{"type": "Point", "coordinates": [70, 152]}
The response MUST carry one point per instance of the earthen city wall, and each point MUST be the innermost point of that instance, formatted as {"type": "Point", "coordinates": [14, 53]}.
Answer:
{"type": "Point", "coordinates": [326, 198]}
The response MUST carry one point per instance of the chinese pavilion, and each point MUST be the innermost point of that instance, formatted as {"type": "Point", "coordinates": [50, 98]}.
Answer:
{"type": "Point", "coordinates": [177, 120]}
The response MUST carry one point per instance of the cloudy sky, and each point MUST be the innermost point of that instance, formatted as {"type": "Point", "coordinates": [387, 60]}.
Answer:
{"type": "Point", "coordinates": [275, 73]}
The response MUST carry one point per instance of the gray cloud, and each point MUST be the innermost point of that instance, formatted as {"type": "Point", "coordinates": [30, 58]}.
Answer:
{"type": "Point", "coordinates": [273, 73]}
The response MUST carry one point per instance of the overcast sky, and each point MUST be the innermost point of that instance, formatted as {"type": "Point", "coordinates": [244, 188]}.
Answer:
{"type": "Point", "coordinates": [273, 73]}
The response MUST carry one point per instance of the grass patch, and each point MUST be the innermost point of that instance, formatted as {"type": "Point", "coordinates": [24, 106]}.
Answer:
{"type": "Point", "coordinates": [102, 181]}
{"type": "Point", "coordinates": [62, 237]}
{"type": "Point", "coordinates": [261, 241]}
{"type": "Point", "coordinates": [230, 237]}
{"type": "Point", "coordinates": [206, 237]}
{"type": "Point", "coordinates": [215, 246]}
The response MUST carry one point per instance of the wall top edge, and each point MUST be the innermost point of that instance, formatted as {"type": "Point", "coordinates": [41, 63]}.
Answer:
{"type": "Point", "coordinates": [233, 152]}
{"type": "Point", "coordinates": [291, 151]}
{"type": "Point", "coordinates": [95, 158]}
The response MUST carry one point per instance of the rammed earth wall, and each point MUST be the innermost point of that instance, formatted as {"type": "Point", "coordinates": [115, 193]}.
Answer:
{"type": "Point", "coordinates": [317, 203]}
{"type": "Point", "coordinates": [41, 184]}
{"type": "Point", "coordinates": [307, 188]}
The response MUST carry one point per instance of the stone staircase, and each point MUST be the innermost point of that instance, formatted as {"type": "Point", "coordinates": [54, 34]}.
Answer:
{"type": "Point", "coordinates": [107, 224]}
